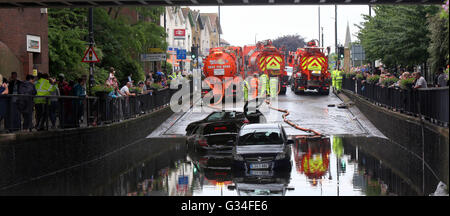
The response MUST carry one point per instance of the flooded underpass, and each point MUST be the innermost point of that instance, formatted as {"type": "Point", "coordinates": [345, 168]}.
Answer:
{"type": "Point", "coordinates": [353, 158]}
{"type": "Point", "coordinates": [333, 166]}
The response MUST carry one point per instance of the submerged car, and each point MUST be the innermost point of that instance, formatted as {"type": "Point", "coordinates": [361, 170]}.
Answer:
{"type": "Point", "coordinates": [262, 147]}
{"type": "Point", "coordinates": [219, 116]}
{"type": "Point", "coordinates": [213, 136]}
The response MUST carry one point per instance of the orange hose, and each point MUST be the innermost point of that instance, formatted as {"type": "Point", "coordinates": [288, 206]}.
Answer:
{"type": "Point", "coordinates": [286, 113]}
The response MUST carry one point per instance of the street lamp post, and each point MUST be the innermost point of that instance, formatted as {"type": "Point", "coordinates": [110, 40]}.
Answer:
{"type": "Point", "coordinates": [91, 44]}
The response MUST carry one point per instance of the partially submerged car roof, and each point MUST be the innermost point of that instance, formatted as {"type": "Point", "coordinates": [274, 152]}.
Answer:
{"type": "Point", "coordinates": [261, 126]}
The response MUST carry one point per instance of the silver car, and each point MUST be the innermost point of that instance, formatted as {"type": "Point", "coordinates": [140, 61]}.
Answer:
{"type": "Point", "coordinates": [262, 147]}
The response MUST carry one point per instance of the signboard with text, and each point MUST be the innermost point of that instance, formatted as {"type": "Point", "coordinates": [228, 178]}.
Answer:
{"type": "Point", "coordinates": [179, 34]}
{"type": "Point", "coordinates": [153, 57]}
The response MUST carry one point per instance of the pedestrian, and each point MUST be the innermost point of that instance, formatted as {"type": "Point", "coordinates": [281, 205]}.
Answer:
{"type": "Point", "coordinates": [126, 90]}
{"type": "Point", "coordinates": [67, 108]}
{"type": "Point", "coordinates": [13, 120]}
{"type": "Point", "coordinates": [54, 105]}
{"type": "Point", "coordinates": [80, 91]}
{"type": "Point", "coordinates": [420, 80]}
{"type": "Point", "coordinates": [441, 78]}
{"type": "Point", "coordinates": [25, 104]}
{"type": "Point", "coordinates": [43, 88]}
{"type": "Point", "coordinates": [3, 100]}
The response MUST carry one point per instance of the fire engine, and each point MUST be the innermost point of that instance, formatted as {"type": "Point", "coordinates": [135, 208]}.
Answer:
{"type": "Point", "coordinates": [264, 58]}
{"type": "Point", "coordinates": [310, 70]}
{"type": "Point", "coordinates": [224, 63]}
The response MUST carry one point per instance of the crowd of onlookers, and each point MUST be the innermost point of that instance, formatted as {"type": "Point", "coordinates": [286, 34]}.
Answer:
{"type": "Point", "coordinates": [397, 78]}
{"type": "Point", "coordinates": [20, 103]}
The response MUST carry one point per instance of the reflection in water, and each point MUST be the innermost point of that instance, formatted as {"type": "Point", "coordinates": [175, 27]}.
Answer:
{"type": "Point", "coordinates": [164, 167]}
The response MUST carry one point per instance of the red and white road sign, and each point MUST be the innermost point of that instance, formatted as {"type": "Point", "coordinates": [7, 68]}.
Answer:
{"type": "Point", "coordinates": [179, 33]}
{"type": "Point", "coordinates": [90, 56]}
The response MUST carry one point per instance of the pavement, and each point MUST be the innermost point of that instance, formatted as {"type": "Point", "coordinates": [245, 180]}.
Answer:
{"type": "Point", "coordinates": [310, 110]}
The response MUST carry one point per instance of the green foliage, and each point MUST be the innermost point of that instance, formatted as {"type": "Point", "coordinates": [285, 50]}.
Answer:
{"type": "Point", "coordinates": [290, 42]}
{"type": "Point", "coordinates": [66, 34]}
{"type": "Point", "coordinates": [373, 79]}
{"type": "Point", "coordinates": [359, 76]}
{"type": "Point", "coordinates": [406, 83]}
{"type": "Point", "coordinates": [119, 41]}
{"type": "Point", "coordinates": [438, 49]}
{"type": "Point", "coordinates": [389, 81]}
{"type": "Point", "coordinates": [167, 68]}
{"type": "Point", "coordinates": [101, 88]}
{"type": "Point", "coordinates": [349, 75]}
{"type": "Point", "coordinates": [156, 86]}
{"type": "Point", "coordinates": [396, 34]}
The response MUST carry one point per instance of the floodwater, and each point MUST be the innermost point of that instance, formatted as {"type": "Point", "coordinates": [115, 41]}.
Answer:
{"type": "Point", "coordinates": [354, 159]}
{"type": "Point", "coordinates": [334, 166]}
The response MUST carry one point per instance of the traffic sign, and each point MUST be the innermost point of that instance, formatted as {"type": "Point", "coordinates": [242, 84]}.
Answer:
{"type": "Point", "coordinates": [153, 57]}
{"type": "Point", "coordinates": [90, 56]}
{"type": "Point", "coordinates": [155, 50]}
{"type": "Point", "coordinates": [181, 54]}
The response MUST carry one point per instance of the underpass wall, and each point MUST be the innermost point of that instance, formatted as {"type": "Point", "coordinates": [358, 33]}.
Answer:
{"type": "Point", "coordinates": [407, 132]}
{"type": "Point", "coordinates": [27, 156]}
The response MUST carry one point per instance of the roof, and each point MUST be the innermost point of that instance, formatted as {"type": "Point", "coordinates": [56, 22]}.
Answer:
{"type": "Point", "coordinates": [262, 126]}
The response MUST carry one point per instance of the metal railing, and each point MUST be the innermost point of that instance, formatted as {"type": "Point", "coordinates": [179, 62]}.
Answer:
{"type": "Point", "coordinates": [430, 103]}
{"type": "Point", "coordinates": [20, 112]}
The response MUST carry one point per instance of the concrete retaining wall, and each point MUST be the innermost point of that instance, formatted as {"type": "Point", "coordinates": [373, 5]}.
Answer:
{"type": "Point", "coordinates": [24, 156]}
{"type": "Point", "coordinates": [407, 131]}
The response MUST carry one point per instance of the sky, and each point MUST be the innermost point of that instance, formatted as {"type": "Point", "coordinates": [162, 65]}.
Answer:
{"type": "Point", "coordinates": [241, 24]}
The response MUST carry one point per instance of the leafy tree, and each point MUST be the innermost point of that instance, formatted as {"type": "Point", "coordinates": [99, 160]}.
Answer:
{"type": "Point", "coordinates": [290, 42]}
{"type": "Point", "coordinates": [66, 33]}
{"type": "Point", "coordinates": [438, 49]}
{"type": "Point", "coordinates": [396, 34]}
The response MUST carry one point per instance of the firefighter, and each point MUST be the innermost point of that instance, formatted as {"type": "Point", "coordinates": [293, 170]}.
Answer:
{"type": "Point", "coordinates": [43, 88]}
{"type": "Point", "coordinates": [245, 86]}
{"type": "Point", "coordinates": [254, 83]}
{"type": "Point", "coordinates": [273, 86]}
{"type": "Point", "coordinates": [173, 75]}
{"type": "Point", "coordinates": [339, 80]}
{"type": "Point", "coordinates": [265, 87]}
{"type": "Point", "coordinates": [333, 78]}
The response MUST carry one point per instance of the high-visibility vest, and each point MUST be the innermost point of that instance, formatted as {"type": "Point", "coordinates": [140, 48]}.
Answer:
{"type": "Point", "coordinates": [43, 88]}
{"type": "Point", "coordinates": [333, 77]}
{"type": "Point", "coordinates": [265, 86]}
{"type": "Point", "coordinates": [273, 87]}
{"type": "Point", "coordinates": [339, 76]}
{"type": "Point", "coordinates": [245, 87]}
{"type": "Point", "coordinates": [254, 82]}
{"type": "Point", "coordinates": [173, 76]}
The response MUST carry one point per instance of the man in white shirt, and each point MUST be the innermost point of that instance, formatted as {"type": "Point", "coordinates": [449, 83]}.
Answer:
{"type": "Point", "coordinates": [420, 81]}
{"type": "Point", "coordinates": [126, 90]}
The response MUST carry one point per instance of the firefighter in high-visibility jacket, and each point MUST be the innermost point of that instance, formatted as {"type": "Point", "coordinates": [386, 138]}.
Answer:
{"type": "Point", "coordinates": [43, 88]}
{"type": "Point", "coordinates": [173, 75]}
{"type": "Point", "coordinates": [274, 83]}
{"type": "Point", "coordinates": [339, 80]}
{"type": "Point", "coordinates": [333, 78]}
{"type": "Point", "coordinates": [245, 87]}
{"type": "Point", "coordinates": [265, 86]}
{"type": "Point", "coordinates": [254, 83]}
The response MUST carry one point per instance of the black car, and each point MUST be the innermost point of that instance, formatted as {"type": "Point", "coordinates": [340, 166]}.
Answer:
{"type": "Point", "coordinates": [219, 116]}
{"type": "Point", "coordinates": [213, 136]}
{"type": "Point", "coordinates": [262, 147]}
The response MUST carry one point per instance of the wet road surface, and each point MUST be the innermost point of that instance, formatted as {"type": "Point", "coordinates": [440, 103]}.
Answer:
{"type": "Point", "coordinates": [346, 162]}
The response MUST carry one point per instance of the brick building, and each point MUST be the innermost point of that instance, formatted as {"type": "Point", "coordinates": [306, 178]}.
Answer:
{"type": "Point", "coordinates": [23, 41]}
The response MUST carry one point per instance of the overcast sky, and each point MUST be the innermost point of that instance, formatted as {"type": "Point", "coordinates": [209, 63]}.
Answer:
{"type": "Point", "coordinates": [240, 24]}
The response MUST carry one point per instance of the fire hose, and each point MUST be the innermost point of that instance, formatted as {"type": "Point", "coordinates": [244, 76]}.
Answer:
{"type": "Point", "coordinates": [292, 124]}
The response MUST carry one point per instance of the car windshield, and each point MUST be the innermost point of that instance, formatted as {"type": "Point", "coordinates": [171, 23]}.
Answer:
{"type": "Point", "coordinates": [216, 116]}
{"type": "Point", "coordinates": [261, 136]}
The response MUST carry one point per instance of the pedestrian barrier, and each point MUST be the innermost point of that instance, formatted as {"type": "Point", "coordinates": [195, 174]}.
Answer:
{"type": "Point", "coordinates": [72, 111]}
{"type": "Point", "coordinates": [430, 103]}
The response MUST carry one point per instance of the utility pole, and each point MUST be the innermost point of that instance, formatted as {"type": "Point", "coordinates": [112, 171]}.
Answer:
{"type": "Point", "coordinates": [165, 30]}
{"type": "Point", "coordinates": [319, 27]}
{"type": "Point", "coordinates": [91, 45]}
{"type": "Point", "coordinates": [322, 38]}
{"type": "Point", "coordinates": [218, 32]}
{"type": "Point", "coordinates": [335, 36]}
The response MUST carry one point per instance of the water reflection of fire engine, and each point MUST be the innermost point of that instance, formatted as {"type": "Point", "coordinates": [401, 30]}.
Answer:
{"type": "Point", "coordinates": [312, 157]}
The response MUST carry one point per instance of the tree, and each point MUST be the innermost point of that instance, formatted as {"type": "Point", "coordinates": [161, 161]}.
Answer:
{"type": "Point", "coordinates": [290, 42]}
{"type": "Point", "coordinates": [438, 49]}
{"type": "Point", "coordinates": [396, 34]}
